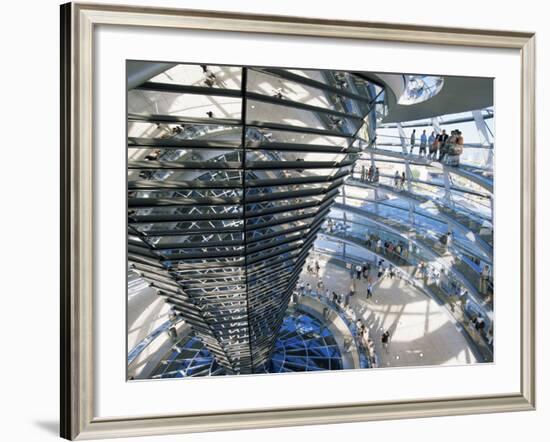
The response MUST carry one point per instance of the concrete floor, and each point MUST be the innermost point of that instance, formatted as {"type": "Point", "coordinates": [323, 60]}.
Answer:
{"type": "Point", "coordinates": [422, 332]}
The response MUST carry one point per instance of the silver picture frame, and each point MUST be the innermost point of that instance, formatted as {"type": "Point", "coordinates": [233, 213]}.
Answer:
{"type": "Point", "coordinates": [78, 21]}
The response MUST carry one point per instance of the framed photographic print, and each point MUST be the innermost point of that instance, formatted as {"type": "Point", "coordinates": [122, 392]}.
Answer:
{"type": "Point", "coordinates": [273, 221]}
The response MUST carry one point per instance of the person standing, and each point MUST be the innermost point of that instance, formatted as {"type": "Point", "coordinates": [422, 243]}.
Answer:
{"type": "Point", "coordinates": [435, 147]}
{"type": "Point", "coordinates": [385, 339]}
{"type": "Point", "coordinates": [369, 289]}
{"type": "Point", "coordinates": [396, 180]}
{"type": "Point", "coordinates": [380, 271]}
{"type": "Point", "coordinates": [449, 240]}
{"type": "Point", "coordinates": [443, 137]}
{"type": "Point", "coordinates": [484, 280]}
{"type": "Point", "coordinates": [358, 270]}
{"type": "Point", "coordinates": [370, 174]}
{"type": "Point", "coordinates": [431, 143]}
{"type": "Point", "coordinates": [319, 286]}
{"type": "Point", "coordinates": [413, 140]}
{"type": "Point", "coordinates": [423, 143]}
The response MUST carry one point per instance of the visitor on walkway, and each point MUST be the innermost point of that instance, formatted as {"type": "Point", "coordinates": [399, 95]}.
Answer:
{"type": "Point", "coordinates": [444, 241]}
{"type": "Point", "coordinates": [403, 178]}
{"type": "Point", "coordinates": [444, 150]}
{"type": "Point", "coordinates": [442, 144]}
{"type": "Point", "coordinates": [358, 271]}
{"type": "Point", "coordinates": [423, 143]}
{"type": "Point", "coordinates": [347, 345]}
{"type": "Point", "coordinates": [366, 268]}
{"type": "Point", "coordinates": [398, 250]}
{"type": "Point", "coordinates": [431, 144]}
{"type": "Point", "coordinates": [449, 240]}
{"type": "Point", "coordinates": [484, 280]}
{"type": "Point", "coordinates": [330, 224]}
{"type": "Point", "coordinates": [396, 180]}
{"type": "Point", "coordinates": [385, 338]}
{"type": "Point", "coordinates": [370, 175]}
{"type": "Point", "coordinates": [320, 286]}
{"type": "Point", "coordinates": [369, 289]}
{"type": "Point", "coordinates": [376, 178]}
{"type": "Point", "coordinates": [413, 140]}
{"type": "Point", "coordinates": [419, 270]}
{"type": "Point", "coordinates": [433, 148]}
{"type": "Point", "coordinates": [455, 147]}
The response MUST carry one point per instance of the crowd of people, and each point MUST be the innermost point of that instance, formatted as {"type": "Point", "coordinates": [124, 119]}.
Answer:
{"type": "Point", "coordinates": [440, 147]}
{"type": "Point", "coordinates": [367, 272]}
{"type": "Point", "coordinates": [397, 250]}
{"type": "Point", "coordinates": [436, 278]}
{"type": "Point", "coordinates": [370, 175]}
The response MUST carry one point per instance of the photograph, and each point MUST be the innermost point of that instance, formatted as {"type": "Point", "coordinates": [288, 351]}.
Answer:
{"type": "Point", "coordinates": [286, 219]}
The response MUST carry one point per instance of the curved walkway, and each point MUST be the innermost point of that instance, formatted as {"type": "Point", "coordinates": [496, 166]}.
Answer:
{"type": "Point", "coordinates": [471, 173]}
{"type": "Point", "coordinates": [465, 274]}
{"type": "Point", "coordinates": [423, 332]}
{"type": "Point", "coordinates": [464, 223]}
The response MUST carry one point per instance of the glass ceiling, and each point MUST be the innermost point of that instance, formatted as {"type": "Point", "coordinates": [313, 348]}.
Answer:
{"type": "Point", "coordinates": [420, 88]}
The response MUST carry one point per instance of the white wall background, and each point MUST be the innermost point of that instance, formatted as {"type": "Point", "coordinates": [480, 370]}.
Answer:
{"type": "Point", "coordinates": [29, 190]}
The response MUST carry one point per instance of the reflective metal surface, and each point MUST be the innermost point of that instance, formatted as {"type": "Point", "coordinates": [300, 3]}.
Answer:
{"type": "Point", "coordinates": [303, 344]}
{"type": "Point", "coordinates": [231, 173]}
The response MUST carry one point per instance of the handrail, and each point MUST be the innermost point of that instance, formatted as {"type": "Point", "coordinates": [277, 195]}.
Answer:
{"type": "Point", "coordinates": [342, 314]}
{"type": "Point", "coordinates": [467, 171]}
{"type": "Point", "coordinates": [465, 145]}
{"type": "Point", "coordinates": [397, 261]}
{"type": "Point", "coordinates": [443, 217]}
{"type": "Point", "coordinates": [418, 198]}
{"type": "Point", "coordinates": [458, 275]}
